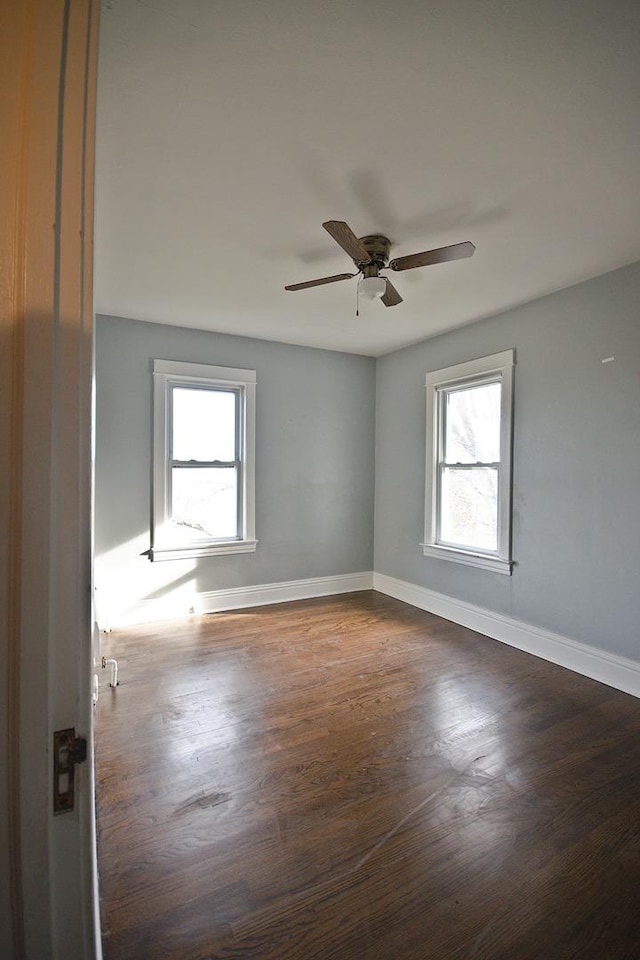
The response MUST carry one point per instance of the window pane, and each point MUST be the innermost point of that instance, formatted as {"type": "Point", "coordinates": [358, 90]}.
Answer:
{"type": "Point", "coordinates": [204, 424]}
{"type": "Point", "coordinates": [472, 424]}
{"type": "Point", "coordinates": [204, 502]}
{"type": "Point", "coordinates": [469, 507]}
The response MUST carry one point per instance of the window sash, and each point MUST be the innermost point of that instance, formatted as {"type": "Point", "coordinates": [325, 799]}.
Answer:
{"type": "Point", "coordinates": [444, 393]}
{"type": "Point", "coordinates": [194, 464]}
{"type": "Point", "coordinates": [443, 463]}
{"type": "Point", "coordinates": [458, 545]}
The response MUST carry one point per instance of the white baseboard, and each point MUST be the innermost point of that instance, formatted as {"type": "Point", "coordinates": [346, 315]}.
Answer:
{"type": "Point", "coordinates": [218, 600]}
{"type": "Point", "coordinates": [237, 598]}
{"type": "Point", "coordinates": [615, 671]}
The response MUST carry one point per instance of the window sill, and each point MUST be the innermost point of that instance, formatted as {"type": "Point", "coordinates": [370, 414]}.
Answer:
{"type": "Point", "coordinates": [481, 560]}
{"type": "Point", "coordinates": [220, 548]}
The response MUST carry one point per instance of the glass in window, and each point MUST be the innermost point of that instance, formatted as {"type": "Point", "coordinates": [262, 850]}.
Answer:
{"type": "Point", "coordinates": [204, 424]}
{"type": "Point", "coordinates": [204, 502]}
{"type": "Point", "coordinates": [472, 424]}
{"type": "Point", "coordinates": [469, 507]}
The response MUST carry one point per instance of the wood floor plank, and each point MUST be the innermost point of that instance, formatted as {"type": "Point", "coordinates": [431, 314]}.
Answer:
{"type": "Point", "coordinates": [354, 778]}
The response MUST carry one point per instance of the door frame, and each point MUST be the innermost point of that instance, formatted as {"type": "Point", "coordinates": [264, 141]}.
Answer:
{"type": "Point", "coordinates": [48, 876]}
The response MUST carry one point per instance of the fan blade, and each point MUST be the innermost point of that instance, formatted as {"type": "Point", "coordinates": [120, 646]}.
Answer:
{"type": "Point", "coordinates": [457, 251]}
{"type": "Point", "coordinates": [344, 235]}
{"type": "Point", "coordinates": [391, 297]}
{"type": "Point", "coordinates": [317, 283]}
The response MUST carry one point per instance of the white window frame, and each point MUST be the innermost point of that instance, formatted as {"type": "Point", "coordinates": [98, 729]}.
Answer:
{"type": "Point", "coordinates": [498, 367]}
{"type": "Point", "coordinates": [166, 375]}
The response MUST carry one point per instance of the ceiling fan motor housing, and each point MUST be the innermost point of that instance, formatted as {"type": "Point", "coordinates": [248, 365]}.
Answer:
{"type": "Point", "coordinates": [378, 248]}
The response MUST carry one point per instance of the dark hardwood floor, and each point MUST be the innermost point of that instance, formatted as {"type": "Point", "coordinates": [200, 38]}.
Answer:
{"type": "Point", "coordinates": [353, 778]}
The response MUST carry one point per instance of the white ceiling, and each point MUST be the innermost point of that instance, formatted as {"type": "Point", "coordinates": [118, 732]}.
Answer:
{"type": "Point", "coordinates": [228, 130]}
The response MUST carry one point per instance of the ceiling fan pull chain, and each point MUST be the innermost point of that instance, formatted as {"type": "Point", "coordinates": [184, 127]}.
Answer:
{"type": "Point", "coordinates": [358, 299]}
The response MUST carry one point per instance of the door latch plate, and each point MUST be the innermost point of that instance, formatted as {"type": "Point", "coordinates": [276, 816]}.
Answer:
{"type": "Point", "coordinates": [68, 750]}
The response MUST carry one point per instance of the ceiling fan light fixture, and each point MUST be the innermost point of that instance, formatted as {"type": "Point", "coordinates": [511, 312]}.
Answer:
{"type": "Point", "coordinates": [372, 288]}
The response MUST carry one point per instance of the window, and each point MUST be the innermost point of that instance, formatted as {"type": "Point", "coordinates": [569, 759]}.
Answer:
{"type": "Point", "coordinates": [468, 488]}
{"type": "Point", "coordinates": [203, 460]}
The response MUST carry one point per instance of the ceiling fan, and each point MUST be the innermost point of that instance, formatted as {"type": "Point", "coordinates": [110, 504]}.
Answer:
{"type": "Point", "coordinates": [370, 254]}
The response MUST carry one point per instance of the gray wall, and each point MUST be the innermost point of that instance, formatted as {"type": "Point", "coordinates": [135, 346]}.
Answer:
{"type": "Point", "coordinates": [314, 463]}
{"type": "Point", "coordinates": [576, 524]}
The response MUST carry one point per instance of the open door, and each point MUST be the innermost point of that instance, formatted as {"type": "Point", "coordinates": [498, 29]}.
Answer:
{"type": "Point", "coordinates": [48, 904]}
